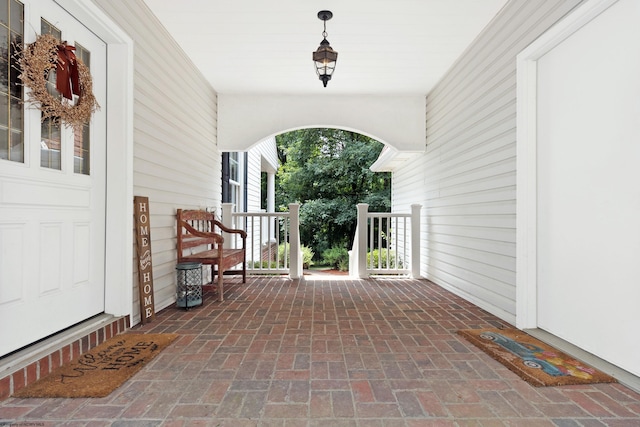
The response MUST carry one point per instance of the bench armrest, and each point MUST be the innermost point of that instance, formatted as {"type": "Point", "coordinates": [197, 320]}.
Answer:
{"type": "Point", "coordinates": [215, 236]}
{"type": "Point", "coordinates": [242, 233]}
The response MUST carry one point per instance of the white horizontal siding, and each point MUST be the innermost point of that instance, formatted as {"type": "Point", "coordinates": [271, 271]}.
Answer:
{"type": "Point", "coordinates": [269, 151]}
{"type": "Point", "coordinates": [253, 180]}
{"type": "Point", "coordinates": [263, 157]}
{"type": "Point", "coordinates": [176, 161]}
{"type": "Point", "coordinates": [466, 180]}
{"type": "Point", "coordinates": [404, 182]}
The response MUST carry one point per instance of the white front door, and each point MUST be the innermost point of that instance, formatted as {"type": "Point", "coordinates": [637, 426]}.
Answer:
{"type": "Point", "coordinates": [52, 201]}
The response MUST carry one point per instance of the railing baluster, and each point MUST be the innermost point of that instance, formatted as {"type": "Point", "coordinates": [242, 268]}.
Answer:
{"type": "Point", "coordinates": [264, 232]}
{"type": "Point", "coordinates": [388, 241]}
{"type": "Point", "coordinates": [285, 252]}
{"type": "Point", "coordinates": [405, 240]}
{"type": "Point", "coordinates": [391, 235]}
{"type": "Point", "coordinates": [378, 245]}
{"type": "Point", "coordinates": [251, 222]}
{"type": "Point", "coordinates": [395, 240]}
{"type": "Point", "coordinates": [371, 223]}
{"type": "Point", "coordinates": [278, 241]}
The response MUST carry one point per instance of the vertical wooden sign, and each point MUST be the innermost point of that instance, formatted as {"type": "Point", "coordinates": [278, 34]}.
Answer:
{"type": "Point", "coordinates": [143, 249]}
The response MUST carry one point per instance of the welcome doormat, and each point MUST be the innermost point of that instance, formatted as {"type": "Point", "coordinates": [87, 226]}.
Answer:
{"type": "Point", "coordinates": [534, 361]}
{"type": "Point", "coordinates": [101, 370]}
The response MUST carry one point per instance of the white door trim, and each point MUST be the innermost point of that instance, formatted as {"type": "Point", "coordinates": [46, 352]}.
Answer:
{"type": "Point", "coordinates": [526, 211]}
{"type": "Point", "coordinates": [119, 191]}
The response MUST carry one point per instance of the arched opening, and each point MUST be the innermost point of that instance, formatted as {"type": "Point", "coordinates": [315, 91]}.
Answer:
{"type": "Point", "coordinates": [327, 171]}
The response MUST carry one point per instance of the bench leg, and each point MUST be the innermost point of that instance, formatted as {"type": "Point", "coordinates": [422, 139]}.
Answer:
{"type": "Point", "coordinates": [220, 285]}
{"type": "Point", "coordinates": [244, 272]}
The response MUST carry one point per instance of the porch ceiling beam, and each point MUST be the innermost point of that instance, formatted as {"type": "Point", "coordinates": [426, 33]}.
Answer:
{"type": "Point", "coordinates": [244, 120]}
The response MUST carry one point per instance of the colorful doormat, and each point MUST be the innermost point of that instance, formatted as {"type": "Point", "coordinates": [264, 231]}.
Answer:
{"type": "Point", "coordinates": [534, 361]}
{"type": "Point", "coordinates": [101, 370]}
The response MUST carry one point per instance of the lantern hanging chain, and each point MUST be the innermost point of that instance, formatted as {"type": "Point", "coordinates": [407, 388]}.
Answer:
{"type": "Point", "coordinates": [324, 33]}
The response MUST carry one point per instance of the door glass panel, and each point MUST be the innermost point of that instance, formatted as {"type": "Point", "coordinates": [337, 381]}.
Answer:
{"type": "Point", "coordinates": [4, 61]}
{"type": "Point", "coordinates": [82, 134]}
{"type": "Point", "coordinates": [17, 146]}
{"type": "Point", "coordinates": [50, 145]}
{"type": "Point", "coordinates": [16, 13]}
{"type": "Point", "coordinates": [51, 138]}
{"type": "Point", "coordinates": [11, 124]}
{"type": "Point", "coordinates": [4, 13]}
{"type": "Point", "coordinates": [4, 113]}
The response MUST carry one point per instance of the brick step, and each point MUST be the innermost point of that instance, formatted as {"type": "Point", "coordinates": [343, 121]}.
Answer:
{"type": "Point", "coordinates": [24, 367]}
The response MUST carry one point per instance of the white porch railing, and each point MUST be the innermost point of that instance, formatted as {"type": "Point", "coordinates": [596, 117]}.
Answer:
{"type": "Point", "coordinates": [265, 232]}
{"type": "Point", "coordinates": [386, 243]}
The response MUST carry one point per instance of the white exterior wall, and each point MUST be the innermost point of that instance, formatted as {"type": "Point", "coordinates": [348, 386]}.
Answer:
{"type": "Point", "coordinates": [263, 157]}
{"type": "Point", "coordinates": [253, 181]}
{"type": "Point", "coordinates": [176, 161]}
{"type": "Point", "coordinates": [467, 178]}
{"type": "Point", "coordinates": [269, 151]}
{"type": "Point", "coordinates": [405, 179]}
{"type": "Point", "coordinates": [253, 196]}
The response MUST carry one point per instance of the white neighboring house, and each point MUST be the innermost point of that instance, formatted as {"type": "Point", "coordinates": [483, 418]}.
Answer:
{"type": "Point", "coordinates": [244, 174]}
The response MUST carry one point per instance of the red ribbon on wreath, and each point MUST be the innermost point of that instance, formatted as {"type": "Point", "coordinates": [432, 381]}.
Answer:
{"type": "Point", "coordinates": [67, 79]}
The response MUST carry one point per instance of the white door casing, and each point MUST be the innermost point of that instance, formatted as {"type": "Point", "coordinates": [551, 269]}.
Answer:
{"type": "Point", "coordinates": [578, 199]}
{"type": "Point", "coordinates": [52, 227]}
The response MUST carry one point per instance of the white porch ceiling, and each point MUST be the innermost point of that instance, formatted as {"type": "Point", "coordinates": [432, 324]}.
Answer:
{"type": "Point", "coordinates": [399, 47]}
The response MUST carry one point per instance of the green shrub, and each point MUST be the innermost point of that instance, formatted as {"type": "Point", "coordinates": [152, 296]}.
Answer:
{"type": "Point", "coordinates": [307, 255]}
{"type": "Point", "coordinates": [336, 257]}
{"type": "Point", "coordinates": [381, 255]}
{"type": "Point", "coordinates": [264, 264]}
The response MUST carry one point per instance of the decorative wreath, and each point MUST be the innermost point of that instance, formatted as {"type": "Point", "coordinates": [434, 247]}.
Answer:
{"type": "Point", "coordinates": [36, 61]}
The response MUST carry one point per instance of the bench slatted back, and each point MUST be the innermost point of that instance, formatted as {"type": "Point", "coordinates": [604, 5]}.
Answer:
{"type": "Point", "coordinates": [201, 221]}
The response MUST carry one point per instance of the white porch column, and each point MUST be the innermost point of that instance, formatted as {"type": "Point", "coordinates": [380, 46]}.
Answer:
{"type": "Point", "coordinates": [295, 267]}
{"type": "Point", "coordinates": [271, 192]}
{"type": "Point", "coordinates": [415, 241]}
{"type": "Point", "coordinates": [361, 236]}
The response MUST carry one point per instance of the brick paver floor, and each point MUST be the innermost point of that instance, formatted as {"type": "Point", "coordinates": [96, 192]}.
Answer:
{"type": "Point", "coordinates": [331, 352]}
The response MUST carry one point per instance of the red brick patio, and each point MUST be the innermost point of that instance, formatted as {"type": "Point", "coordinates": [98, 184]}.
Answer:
{"type": "Point", "coordinates": [326, 351]}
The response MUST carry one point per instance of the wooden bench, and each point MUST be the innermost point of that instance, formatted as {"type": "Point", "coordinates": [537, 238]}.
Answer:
{"type": "Point", "coordinates": [200, 240]}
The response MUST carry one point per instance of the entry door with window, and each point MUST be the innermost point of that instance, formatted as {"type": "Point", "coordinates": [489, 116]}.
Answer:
{"type": "Point", "coordinates": [52, 190]}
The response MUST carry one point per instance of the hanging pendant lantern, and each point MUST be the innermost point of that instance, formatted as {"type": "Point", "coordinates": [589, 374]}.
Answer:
{"type": "Point", "coordinates": [325, 57]}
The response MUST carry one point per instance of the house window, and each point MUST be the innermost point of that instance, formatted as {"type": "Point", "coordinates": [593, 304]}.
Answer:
{"type": "Point", "coordinates": [50, 136]}
{"type": "Point", "coordinates": [264, 191]}
{"type": "Point", "coordinates": [11, 123]}
{"type": "Point", "coordinates": [234, 179]}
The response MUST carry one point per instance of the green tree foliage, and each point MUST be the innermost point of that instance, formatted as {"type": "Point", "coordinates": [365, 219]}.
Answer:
{"type": "Point", "coordinates": [327, 172]}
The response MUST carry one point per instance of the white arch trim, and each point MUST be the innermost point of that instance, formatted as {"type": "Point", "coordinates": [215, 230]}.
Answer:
{"type": "Point", "coordinates": [397, 121]}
